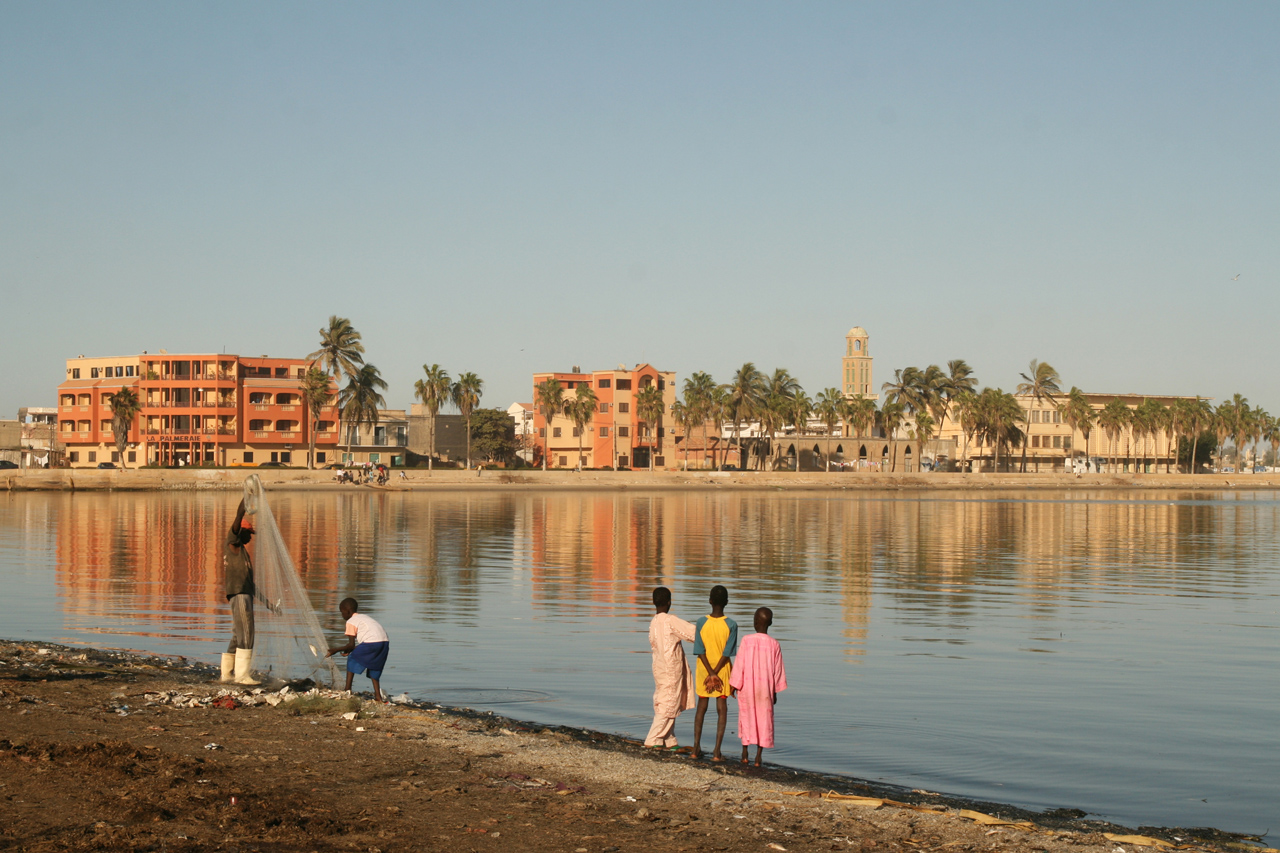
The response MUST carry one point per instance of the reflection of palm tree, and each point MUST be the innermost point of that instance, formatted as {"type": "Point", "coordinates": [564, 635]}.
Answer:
{"type": "Point", "coordinates": [317, 392]}
{"type": "Point", "coordinates": [465, 394]}
{"type": "Point", "coordinates": [125, 406]}
{"type": "Point", "coordinates": [360, 401]}
{"type": "Point", "coordinates": [649, 408]}
{"type": "Point", "coordinates": [582, 410]}
{"type": "Point", "coordinates": [433, 391]}
{"type": "Point", "coordinates": [549, 397]}
{"type": "Point", "coordinates": [1041, 384]}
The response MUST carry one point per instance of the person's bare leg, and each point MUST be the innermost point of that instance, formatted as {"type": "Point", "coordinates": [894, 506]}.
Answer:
{"type": "Point", "coordinates": [377, 690]}
{"type": "Point", "coordinates": [759, 750]}
{"type": "Point", "coordinates": [349, 676]}
{"type": "Point", "coordinates": [744, 753]}
{"type": "Point", "coordinates": [698, 716]}
{"type": "Point", "coordinates": [722, 719]}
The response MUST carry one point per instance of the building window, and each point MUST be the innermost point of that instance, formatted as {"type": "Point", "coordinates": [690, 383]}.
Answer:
{"type": "Point", "coordinates": [75, 373]}
{"type": "Point", "coordinates": [576, 432]}
{"type": "Point", "coordinates": [604, 408]}
{"type": "Point", "coordinates": [662, 431]}
{"type": "Point", "coordinates": [133, 456]}
{"type": "Point", "coordinates": [75, 456]}
{"type": "Point", "coordinates": [93, 456]}
{"type": "Point", "coordinates": [248, 456]}
{"type": "Point", "coordinates": [542, 432]}
{"type": "Point", "coordinates": [564, 462]}
{"type": "Point", "coordinates": [604, 383]}
{"type": "Point", "coordinates": [662, 384]}
{"type": "Point", "coordinates": [624, 384]}
{"type": "Point", "coordinates": [1057, 441]}
{"type": "Point", "coordinates": [555, 433]}
{"type": "Point", "coordinates": [659, 461]}
{"type": "Point", "coordinates": [1035, 441]}
{"type": "Point", "coordinates": [320, 457]}
{"type": "Point", "coordinates": [623, 432]}
{"type": "Point", "coordinates": [93, 373]}
{"type": "Point", "coordinates": [624, 408]}
{"type": "Point", "coordinates": [857, 346]}
{"type": "Point", "coordinates": [622, 462]}
{"type": "Point", "coordinates": [604, 432]}
{"type": "Point", "coordinates": [275, 457]}
{"type": "Point", "coordinates": [128, 370]}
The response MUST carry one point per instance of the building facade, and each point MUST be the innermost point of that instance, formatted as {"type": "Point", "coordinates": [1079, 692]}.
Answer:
{"type": "Point", "coordinates": [857, 365]}
{"type": "Point", "coordinates": [197, 409]}
{"type": "Point", "coordinates": [615, 437]}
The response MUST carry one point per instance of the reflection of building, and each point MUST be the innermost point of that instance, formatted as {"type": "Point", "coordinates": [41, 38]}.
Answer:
{"type": "Point", "coordinates": [615, 436]}
{"type": "Point", "coordinates": [1053, 444]}
{"type": "Point", "coordinates": [196, 409]}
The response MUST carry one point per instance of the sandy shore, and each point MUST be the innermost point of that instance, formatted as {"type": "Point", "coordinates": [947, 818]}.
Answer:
{"type": "Point", "coordinates": [157, 479]}
{"type": "Point", "coordinates": [116, 751]}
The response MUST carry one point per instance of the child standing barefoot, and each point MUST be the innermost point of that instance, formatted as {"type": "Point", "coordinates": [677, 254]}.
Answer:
{"type": "Point", "coordinates": [715, 639]}
{"type": "Point", "coordinates": [366, 648]}
{"type": "Point", "coordinates": [758, 677]}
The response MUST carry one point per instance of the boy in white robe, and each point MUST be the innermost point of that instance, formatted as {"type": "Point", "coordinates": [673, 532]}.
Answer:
{"type": "Point", "coordinates": [672, 681]}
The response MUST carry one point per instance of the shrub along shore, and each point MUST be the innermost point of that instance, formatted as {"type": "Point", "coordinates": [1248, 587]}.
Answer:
{"type": "Point", "coordinates": [420, 479]}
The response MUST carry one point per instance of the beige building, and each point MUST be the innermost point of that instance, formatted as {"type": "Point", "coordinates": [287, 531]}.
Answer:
{"type": "Point", "coordinates": [858, 378]}
{"type": "Point", "coordinates": [1053, 445]}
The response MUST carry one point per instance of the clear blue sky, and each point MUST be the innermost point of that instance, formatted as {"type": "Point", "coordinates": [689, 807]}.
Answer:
{"type": "Point", "coordinates": [516, 187]}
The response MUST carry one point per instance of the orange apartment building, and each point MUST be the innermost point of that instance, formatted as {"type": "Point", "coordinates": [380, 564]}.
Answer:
{"type": "Point", "coordinates": [197, 409]}
{"type": "Point", "coordinates": [616, 437]}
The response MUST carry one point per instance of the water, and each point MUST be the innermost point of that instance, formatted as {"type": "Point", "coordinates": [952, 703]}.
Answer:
{"type": "Point", "coordinates": [1114, 652]}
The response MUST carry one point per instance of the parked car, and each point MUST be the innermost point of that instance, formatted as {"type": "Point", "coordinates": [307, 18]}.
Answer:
{"type": "Point", "coordinates": [272, 465]}
{"type": "Point", "coordinates": [110, 465]}
{"type": "Point", "coordinates": [5, 463]}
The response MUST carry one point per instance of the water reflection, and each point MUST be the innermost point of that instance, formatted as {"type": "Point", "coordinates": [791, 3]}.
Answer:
{"type": "Point", "coordinates": [978, 642]}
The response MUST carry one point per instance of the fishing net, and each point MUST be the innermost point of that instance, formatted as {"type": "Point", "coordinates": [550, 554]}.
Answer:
{"type": "Point", "coordinates": [289, 643]}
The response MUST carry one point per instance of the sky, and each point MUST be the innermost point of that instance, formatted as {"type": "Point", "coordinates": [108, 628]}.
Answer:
{"type": "Point", "coordinates": [506, 188]}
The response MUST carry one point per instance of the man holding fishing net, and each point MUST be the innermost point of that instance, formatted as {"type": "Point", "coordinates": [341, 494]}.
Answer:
{"type": "Point", "coordinates": [237, 570]}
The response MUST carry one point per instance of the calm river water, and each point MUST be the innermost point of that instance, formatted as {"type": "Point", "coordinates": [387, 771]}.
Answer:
{"type": "Point", "coordinates": [1114, 652]}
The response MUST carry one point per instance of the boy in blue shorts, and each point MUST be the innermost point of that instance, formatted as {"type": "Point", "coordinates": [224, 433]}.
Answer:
{"type": "Point", "coordinates": [366, 648]}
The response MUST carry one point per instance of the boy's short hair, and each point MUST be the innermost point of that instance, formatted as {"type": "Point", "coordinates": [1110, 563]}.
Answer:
{"type": "Point", "coordinates": [719, 596]}
{"type": "Point", "coordinates": [661, 596]}
{"type": "Point", "coordinates": [350, 602]}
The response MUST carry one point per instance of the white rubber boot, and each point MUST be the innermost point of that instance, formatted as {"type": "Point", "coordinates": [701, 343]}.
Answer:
{"type": "Point", "coordinates": [244, 667]}
{"type": "Point", "coordinates": [228, 666]}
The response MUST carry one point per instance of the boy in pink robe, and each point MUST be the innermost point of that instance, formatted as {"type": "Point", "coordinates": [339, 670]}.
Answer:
{"type": "Point", "coordinates": [758, 677]}
{"type": "Point", "coordinates": [672, 681]}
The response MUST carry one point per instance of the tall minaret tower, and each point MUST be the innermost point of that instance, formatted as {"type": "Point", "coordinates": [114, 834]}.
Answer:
{"type": "Point", "coordinates": [857, 365]}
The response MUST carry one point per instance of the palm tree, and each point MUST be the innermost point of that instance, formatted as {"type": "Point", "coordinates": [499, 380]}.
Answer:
{"type": "Point", "coordinates": [549, 397]}
{"type": "Point", "coordinates": [340, 351]}
{"type": "Point", "coordinates": [433, 391]}
{"type": "Point", "coordinates": [907, 389]}
{"type": "Point", "coordinates": [1041, 384]}
{"type": "Point", "coordinates": [960, 378]}
{"type": "Point", "coordinates": [317, 392]}
{"type": "Point", "coordinates": [830, 405]}
{"type": "Point", "coordinates": [1198, 416]}
{"type": "Point", "coordinates": [1271, 435]}
{"type": "Point", "coordinates": [1149, 419]}
{"type": "Point", "coordinates": [360, 401]}
{"type": "Point", "coordinates": [125, 406]}
{"type": "Point", "coordinates": [861, 413]}
{"type": "Point", "coordinates": [465, 394]}
{"type": "Point", "coordinates": [700, 401]}
{"type": "Point", "coordinates": [801, 411]}
{"type": "Point", "coordinates": [891, 416]}
{"type": "Point", "coordinates": [582, 410]}
{"type": "Point", "coordinates": [682, 417]}
{"type": "Point", "coordinates": [924, 433]}
{"type": "Point", "coordinates": [1113, 418]}
{"type": "Point", "coordinates": [1079, 415]}
{"type": "Point", "coordinates": [649, 408]}
{"type": "Point", "coordinates": [965, 411]}
{"type": "Point", "coordinates": [997, 415]}
{"type": "Point", "coordinates": [744, 397]}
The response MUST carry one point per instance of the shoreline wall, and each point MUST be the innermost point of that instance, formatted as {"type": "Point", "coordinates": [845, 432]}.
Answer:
{"type": "Point", "coordinates": [196, 479]}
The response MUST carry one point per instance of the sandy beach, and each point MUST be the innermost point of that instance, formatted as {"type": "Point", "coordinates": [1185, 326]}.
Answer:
{"type": "Point", "coordinates": [108, 750]}
{"type": "Point", "coordinates": [420, 479]}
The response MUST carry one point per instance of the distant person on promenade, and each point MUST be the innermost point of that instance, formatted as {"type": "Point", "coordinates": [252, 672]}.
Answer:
{"type": "Point", "coordinates": [367, 646]}
{"type": "Point", "coordinates": [672, 680]}
{"type": "Point", "coordinates": [715, 639]}
{"type": "Point", "coordinates": [237, 571]}
{"type": "Point", "coordinates": [758, 677]}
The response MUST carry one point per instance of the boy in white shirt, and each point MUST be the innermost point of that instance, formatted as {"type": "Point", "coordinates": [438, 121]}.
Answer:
{"type": "Point", "coordinates": [366, 648]}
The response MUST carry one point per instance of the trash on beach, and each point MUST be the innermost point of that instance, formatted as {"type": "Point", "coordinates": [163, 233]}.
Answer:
{"type": "Point", "coordinates": [1143, 840]}
{"type": "Point", "coordinates": [350, 715]}
{"type": "Point", "coordinates": [851, 799]}
{"type": "Point", "coordinates": [213, 746]}
{"type": "Point", "coordinates": [988, 820]}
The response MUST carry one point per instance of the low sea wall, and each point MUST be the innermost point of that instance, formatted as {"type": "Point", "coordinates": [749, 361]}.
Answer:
{"type": "Point", "coordinates": [194, 479]}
